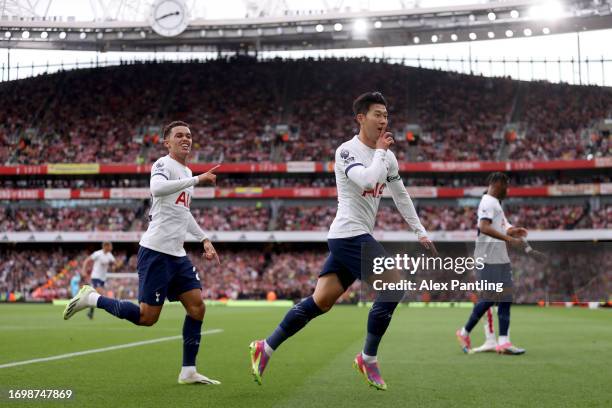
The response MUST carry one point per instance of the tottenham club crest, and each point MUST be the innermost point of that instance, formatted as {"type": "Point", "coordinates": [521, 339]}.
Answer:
{"type": "Point", "coordinates": [159, 165]}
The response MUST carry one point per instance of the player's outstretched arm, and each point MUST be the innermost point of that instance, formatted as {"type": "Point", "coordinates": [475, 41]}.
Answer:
{"type": "Point", "coordinates": [161, 186]}
{"type": "Point", "coordinates": [209, 177]}
{"type": "Point", "coordinates": [86, 265]}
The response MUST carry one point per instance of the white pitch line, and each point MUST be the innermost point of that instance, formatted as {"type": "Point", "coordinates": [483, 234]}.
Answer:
{"type": "Point", "coordinates": [101, 350]}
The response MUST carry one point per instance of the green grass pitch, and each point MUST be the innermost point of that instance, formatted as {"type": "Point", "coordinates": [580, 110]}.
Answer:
{"type": "Point", "coordinates": [568, 360]}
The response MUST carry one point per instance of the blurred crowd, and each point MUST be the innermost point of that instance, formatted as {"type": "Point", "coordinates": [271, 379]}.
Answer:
{"type": "Point", "coordinates": [236, 106]}
{"type": "Point", "coordinates": [453, 218]}
{"type": "Point", "coordinates": [106, 218]}
{"type": "Point", "coordinates": [258, 217]}
{"type": "Point", "coordinates": [71, 219]}
{"type": "Point", "coordinates": [573, 271]}
{"type": "Point", "coordinates": [555, 116]}
{"type": "Point", "coordinates": [228, 180]}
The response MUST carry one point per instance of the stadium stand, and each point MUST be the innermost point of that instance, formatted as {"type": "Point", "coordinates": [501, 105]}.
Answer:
{"type": "Point", "coordinates": [265, 117]}
{"type": "Point", "coordinates": [291, 274]}
{"type": "Point", "coordinates": [297, 218]}
{"type": "Point", "coordinates": [460, 115]}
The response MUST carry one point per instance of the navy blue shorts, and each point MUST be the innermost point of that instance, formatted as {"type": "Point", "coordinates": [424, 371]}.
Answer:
{"type": "Point", "coordinates": [97, 283]}
{"type": "Point", "coordinates": [350, 256]}
{"type": "Point", "coordinates": [161, 275]}
{"type": "Point", "coordinates": [496, 273]}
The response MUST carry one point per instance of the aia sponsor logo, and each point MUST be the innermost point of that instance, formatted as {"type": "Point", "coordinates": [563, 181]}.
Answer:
{"type": "Point", "coordinates": [183, 199]}
{"type": "Point", "coordinates": [376, 192]}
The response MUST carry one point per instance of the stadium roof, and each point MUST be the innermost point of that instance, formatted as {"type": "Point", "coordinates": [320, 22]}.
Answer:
{"type": "Point", "coordinates": [272, 25]}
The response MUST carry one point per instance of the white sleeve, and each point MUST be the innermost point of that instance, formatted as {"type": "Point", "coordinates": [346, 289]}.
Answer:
{"type": "Point", "coordinates": [194, 229]}
{"type": "Point", "coordinates": [94, 256]}
{"type": "Point", "coordinates": [486, 209]}
{"type": "Point", "coordinates": [365, 177]}
{"type": "Point", "coordinates": [160, 186]}
{"type": "Point", "coordinates": [402, 199]}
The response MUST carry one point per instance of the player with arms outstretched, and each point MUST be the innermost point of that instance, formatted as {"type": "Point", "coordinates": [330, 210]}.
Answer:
{"type": "Point", "coordinates": [102, 260]}
{"type": "Point", "coordinates": [164, 270]}
{"type": "Point", "coordinates": [364, 167]}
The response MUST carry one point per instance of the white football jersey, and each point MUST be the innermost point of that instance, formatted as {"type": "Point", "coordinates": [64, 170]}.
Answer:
{"type": "Point", "coordinates": [492, 250]}
{"type": "Point", "coordinates": [170, 218]}
{"type": "Point", "coordinates": [101, 263]}
{"type": "Point", "coordinates": [357, 207]}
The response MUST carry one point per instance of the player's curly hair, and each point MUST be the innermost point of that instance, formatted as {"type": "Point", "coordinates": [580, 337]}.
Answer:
{"type": "Point", "coordinates": [168, 128]}
{"type": "Point", "coordinates": [364, 101]}
{"type": "Point", "coordinates": [497, 176]}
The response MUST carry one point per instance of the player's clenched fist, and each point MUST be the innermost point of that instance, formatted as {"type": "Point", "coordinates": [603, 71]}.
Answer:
{"type": "Point", "coordinates": [209, 177]}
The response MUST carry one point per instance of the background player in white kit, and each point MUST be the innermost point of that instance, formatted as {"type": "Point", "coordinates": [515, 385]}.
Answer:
{"type": "Point", "coordinates": [102, 260]}
{"type": "Point", "coordinates": [164, 270]}
{"type": "Point", "coordinates": [364, 167]}
{"type": "Point", "coordinates": [494, 231]}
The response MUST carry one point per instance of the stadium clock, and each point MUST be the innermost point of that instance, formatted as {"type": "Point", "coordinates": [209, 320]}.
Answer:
{"type": "Point", "coordinates": [169, 18]}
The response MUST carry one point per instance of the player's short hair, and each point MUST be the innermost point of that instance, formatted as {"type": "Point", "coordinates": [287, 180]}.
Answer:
{"type": "Point", "coordinates": [364, 101]}
{"type": "Point", "coordinates": [168, 128]}
{"type": "Point", "coordinates": [106, 243]}
{"type": "Point", "coordinates": [497, 176]}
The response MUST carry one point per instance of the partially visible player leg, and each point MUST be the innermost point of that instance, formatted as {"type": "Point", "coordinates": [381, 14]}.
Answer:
{"type": "Point", "coordinates": [153, 280]}
{"type": "Point", "coordinates": [463, 334]}
{"type": "Point", "coordinates": [489, 327]}
{"type": "Point", "coordinates": [366, 362]}
{"type": "Point", "coordinates": [490, 343]}
{"type": "Point", "coordinates": [88, 297]}
{"type": "Point", "coordinates": [505, 346]}
{"type": "Point", "coordinates": [329, 288]}
{"type": "Point", "coordinates": [379, 318]}
{"type": "Point", "coordinates": [192, 335]}
{"type": "Point", "coordinates": [378, 322]}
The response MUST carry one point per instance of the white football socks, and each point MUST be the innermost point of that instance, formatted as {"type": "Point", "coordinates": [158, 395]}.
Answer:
{"type": "Point", "coordinates": [504, 339]}
{"type": "Point", "coordinates": [269, 350]}
{"type": "Point", "coordinates": [92, 299]}
{"type": "Point", "coordinates": [368, 359]}
{"type": "Point", "coordinates": [464, 332]}
{"type": "Point", "coordinates": [186, 371]}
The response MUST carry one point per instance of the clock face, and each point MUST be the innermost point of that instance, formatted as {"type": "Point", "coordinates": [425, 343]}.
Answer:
{"type": "Point", "coordinates": [169, 17]}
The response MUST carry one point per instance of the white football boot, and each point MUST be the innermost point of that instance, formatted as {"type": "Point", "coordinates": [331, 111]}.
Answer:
{"type": "Point", "coordinates": [79, 302]}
